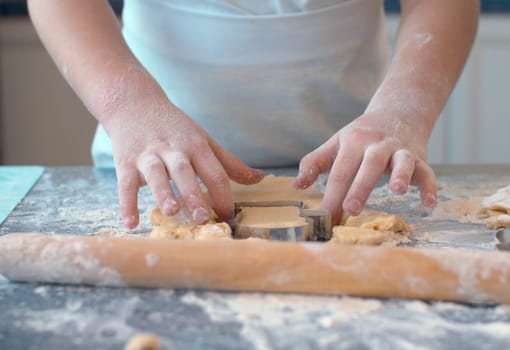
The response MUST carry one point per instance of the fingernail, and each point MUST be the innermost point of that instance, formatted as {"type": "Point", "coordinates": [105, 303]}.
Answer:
{"type": "Point", "coordinates": [429, 200]}
{"type": "Point", "coordinates": [200, 216]}
{"type": "Point", "coordinates": [398, 187]}
{"type": "Point", "coordinates": [298, 183]}
{"type": "Point", "coordinates": [353, 207]}
{"type": "Point", "coordinates": [129, 221]}
{"type": "Point", "coordinates": [257, 174]}
{"type": "Point", "coordinates": [170, 207]}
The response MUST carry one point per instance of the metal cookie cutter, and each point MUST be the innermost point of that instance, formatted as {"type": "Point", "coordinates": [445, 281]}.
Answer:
{"type": "Point", "coordinates": [503, 237]}
{"type": "Point", "coordinates": [317, 225]}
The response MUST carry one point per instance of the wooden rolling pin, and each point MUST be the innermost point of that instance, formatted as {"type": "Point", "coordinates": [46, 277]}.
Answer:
{"type": "Point", "coordinates": [256, 265]}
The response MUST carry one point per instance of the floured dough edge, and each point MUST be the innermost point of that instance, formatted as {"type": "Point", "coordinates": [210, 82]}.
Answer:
{"type": "Point", "coordinates": [495, 209]}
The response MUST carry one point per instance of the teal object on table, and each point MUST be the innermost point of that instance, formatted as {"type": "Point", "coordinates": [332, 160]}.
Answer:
{"type": "Point", "coordinates": [15, 182]}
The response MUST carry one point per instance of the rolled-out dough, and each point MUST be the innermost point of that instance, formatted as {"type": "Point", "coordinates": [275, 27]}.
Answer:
{"type": "Point", "coordinates": [270, 217]}
{"type": "Point", "coordinates": [370, 227]}
{"type": "Point", "coordinates": [276, 188]}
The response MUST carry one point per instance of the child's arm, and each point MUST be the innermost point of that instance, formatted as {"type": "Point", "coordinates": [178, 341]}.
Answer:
{"type": "Point", "coordinates": [153, 140]}
{"type": "Point", "coordinates": [433, 42]}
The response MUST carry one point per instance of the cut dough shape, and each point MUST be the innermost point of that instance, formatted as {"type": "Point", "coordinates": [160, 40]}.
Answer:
{"type": "Point", "coordinates": [257, 222]}
{"type": "Point", "coordinates": [270, 188]}
{"type": "Point", "coordinates": [496, 209]}
{"type": "Point", "coordinates": [371, 228]}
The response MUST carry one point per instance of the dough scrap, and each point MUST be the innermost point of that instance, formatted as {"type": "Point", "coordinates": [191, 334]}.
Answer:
{"type": "Point", "coordinates": [179, 227]}
{"type": "Point", "coordinates": [371, 228]}
{"type": "Point", "coordinates": [495, 209]}
{"type": "Point", "coordinates": [378, 221]}
{"type": "Point", "coordinates": [498, 203]}
{"type": "Point", "coordinates": [358, 235]}
{"type": "Point", "coordinates": [143, 341]}
{"type": "Point", "coordinates": [498, 221]}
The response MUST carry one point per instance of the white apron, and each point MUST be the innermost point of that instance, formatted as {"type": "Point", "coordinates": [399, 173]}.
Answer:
{"type": "Point", "coordinates": [268, 87]}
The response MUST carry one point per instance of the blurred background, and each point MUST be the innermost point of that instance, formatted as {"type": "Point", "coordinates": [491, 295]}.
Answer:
{"type": "Point", "coordinates": [42, 121]}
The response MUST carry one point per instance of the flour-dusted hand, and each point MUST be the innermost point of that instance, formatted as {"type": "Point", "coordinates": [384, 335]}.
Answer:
{"type": "Point", "coordinates": [392, 135]}
{"type": "Point", "coordinates": [360, 153]}
{"type": "Point", "coordinates": [154, 142]}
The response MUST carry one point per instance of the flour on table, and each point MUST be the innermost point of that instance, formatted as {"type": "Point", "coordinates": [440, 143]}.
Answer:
{"type": "Point", "coordinates": [459, 209]}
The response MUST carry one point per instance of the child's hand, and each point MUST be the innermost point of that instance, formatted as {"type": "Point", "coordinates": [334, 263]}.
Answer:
{"type": "Point", "coordinates": [153, 142]}
{"type": "Point", "coordinates": [360, 153]}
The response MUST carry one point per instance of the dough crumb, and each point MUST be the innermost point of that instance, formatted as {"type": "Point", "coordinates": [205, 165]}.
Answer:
{"type": "Point", "coordinates": [143, 341]}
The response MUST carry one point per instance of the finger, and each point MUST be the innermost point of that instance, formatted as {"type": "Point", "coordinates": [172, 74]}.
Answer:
{"type": "Point", "coordinates": [375, 160]}
{"type": "Point", "coordinates": [316, 162]}
{"type": "Point", "coordinates": [235, 168]}
{"type": "Point", "coordinates": [217, 182]}
{"type": "Point", "coordinates": [127, 183]}
{"type": "Point", "coordinates": [186, 182]}
{"type": "Point", "coordinates": [340, 178]}
{"type": "Point", "coordinates": [402, 164]}
{"type": "Point", "coordinates": [155, 174]}
{"type": "Point", "coordinates": [425, 179]}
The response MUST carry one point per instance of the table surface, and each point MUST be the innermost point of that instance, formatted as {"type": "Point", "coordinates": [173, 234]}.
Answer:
{"type": "Point", "coordinates": [83, 200]}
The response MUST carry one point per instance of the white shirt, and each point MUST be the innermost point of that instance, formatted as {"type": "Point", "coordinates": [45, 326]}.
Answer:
{"type": "Point", "coordinates": [253, 7]}
{"type": "Point", "coordinates": [269, 80]}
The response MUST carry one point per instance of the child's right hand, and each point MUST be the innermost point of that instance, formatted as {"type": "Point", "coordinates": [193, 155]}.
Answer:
{"type": "Point", "coordinates": [153, 142]}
